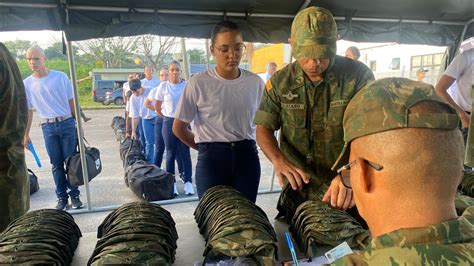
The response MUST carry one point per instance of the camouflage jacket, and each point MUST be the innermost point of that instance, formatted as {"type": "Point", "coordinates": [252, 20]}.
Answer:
{"type": "Point", "coordinates": [310, 114]}
{"type": "Point", "coordinates": [448, 243]}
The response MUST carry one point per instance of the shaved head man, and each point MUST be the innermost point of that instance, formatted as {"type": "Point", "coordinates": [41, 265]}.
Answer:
{"type": "Point", "coordinates": [403, 159]}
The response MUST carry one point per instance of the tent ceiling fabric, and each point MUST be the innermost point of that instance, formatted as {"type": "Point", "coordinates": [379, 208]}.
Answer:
{"type": "Point", "coordinates": [435, 22]}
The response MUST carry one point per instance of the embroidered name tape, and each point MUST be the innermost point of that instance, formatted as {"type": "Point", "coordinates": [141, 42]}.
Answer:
{"type": "Point", "coordinates": [293, 106]}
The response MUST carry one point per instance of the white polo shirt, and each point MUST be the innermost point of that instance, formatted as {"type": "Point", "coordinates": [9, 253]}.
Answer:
{"type": "Point", "coordinates": [461, 69]}
{"type": "Point", "coordinates": [222, 110]}
{"type": "Point", "coordinates": [49, 95]}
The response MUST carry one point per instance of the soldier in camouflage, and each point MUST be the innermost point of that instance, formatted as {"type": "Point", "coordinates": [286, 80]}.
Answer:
{"type": "Point", "coordinates": [14, 188]}
{"type": "Point", "coordinates": [306, 100]}
{"type": "Point", "coordinates": [406, 155]}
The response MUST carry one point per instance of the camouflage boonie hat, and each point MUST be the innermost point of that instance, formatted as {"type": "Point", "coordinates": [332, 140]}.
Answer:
{"type": "Point", "coordinates": [384, 105]}
{"type": "Point", "coordinates": [313, 34]}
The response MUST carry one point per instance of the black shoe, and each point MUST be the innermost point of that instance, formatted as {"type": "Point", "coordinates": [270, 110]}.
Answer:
{"type": "Point", "coordinates": [62, 204]}
{"type": "Point", "coordinates": [181, 177]}
{"type": "Point", "coordinates": [76, 202]}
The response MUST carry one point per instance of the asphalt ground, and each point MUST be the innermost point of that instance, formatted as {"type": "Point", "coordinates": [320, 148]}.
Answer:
{"type": "Point", "coordinates": [108, 190]}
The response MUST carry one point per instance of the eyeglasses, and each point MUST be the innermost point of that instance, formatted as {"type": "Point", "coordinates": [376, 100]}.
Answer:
{"type": "Point", "coordinates": [345, 174]}
{"type": "Point", "coordinates": [225, 49]}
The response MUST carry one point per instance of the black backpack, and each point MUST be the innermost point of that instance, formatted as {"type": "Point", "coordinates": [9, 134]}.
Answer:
{"type": "Point", "coordinates": [34, 185]}
{"type": "Point", "coordinates": [150, 182]}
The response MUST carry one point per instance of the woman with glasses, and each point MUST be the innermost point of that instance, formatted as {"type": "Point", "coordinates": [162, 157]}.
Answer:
{"type": "Point", "coordinates": [167, 97]}
{"type": "Point", "coordinates": [222, 103]}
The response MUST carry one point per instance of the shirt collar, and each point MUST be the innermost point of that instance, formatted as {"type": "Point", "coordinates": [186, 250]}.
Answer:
{"type": "Point", "coordinates": [453, 231]}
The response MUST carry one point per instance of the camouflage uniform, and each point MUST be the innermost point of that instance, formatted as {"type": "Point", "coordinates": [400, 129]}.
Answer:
{"type": "Point", "coordinates": [14, 187]}
{"type": "Point", "coordinates": [308, 113]}
{"type": "Point", "coordinates": [388, 102]}
{"type": "Point", "coordinates": [448, 243]}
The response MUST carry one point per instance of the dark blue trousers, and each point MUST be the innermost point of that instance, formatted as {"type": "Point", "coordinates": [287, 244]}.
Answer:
{"type": "Point", "coordinates": [235, 164]}
{"type": "Point", "coordinates": [159, 142]}
{"type": "Point", "coordinates": [176, 151]}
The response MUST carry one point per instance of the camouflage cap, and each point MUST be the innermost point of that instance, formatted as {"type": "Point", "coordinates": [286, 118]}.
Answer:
{"type": "Point", "coordinates": [313, 34]}
{"type": "Point", "coordinates": [384, 105]}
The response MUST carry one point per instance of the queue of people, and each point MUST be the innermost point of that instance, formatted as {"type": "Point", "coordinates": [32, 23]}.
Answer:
{"type": "Point", "coordinates": [359, 142]}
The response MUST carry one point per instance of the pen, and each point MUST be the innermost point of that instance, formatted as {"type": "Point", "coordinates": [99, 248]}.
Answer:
{"type": "Point", "coordinates": [292, 248]}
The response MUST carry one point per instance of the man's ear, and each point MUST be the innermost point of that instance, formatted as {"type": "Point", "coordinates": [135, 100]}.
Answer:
{"type": "Point", "coordinates": [365, 180]}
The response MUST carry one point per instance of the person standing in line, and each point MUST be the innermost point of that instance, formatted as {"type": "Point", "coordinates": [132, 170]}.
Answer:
{"type": "Point", "coordinates": [167, 97]}
{"type": "Point", "coordinates": [270, 69]}
{"type": "Point", "coordinates": [50, 93]}
{"type": "Point", "coordinates": [136, 100]}
{"type": "Point", "coordinates": [150, 104]}
{"type": "Point", "coordinates": [421, 74]}
{"type": "Point", "coordinates": [456, 85]}
{"type": "Point", "coordinates": [148, 116]}
{"type": "Point", "coordinates": [222, 103]}
{"type": "Point", "coordinates": [126, 96]}
{"type": "Point", "coordinates": [353, 53]}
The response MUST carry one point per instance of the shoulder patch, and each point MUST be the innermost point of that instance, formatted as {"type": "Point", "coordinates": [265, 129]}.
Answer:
{"type": "Point", "coordinates": [268, 85]}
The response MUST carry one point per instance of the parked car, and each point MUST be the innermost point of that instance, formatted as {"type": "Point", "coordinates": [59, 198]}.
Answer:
{"type": "Point", "coordinates": [101, 87]}
{"type": "Point", "coordinates": [114, 97]}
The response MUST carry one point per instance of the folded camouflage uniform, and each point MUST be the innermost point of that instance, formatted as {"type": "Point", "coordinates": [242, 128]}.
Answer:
{"type": "Point", "coordinates": [235, 227]}
{"type": "Point", "coordinates": [136, 233]}
{"type": "Point", "coordinates": [316, 223]}
{"type": "Point", "coordinates": [47, 237]}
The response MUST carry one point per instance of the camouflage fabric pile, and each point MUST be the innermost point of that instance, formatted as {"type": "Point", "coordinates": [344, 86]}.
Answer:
{"type": "Point", "coordinates": [233, 226]}
{"type": "Point", "coordinates": [467, 185]}
{"type": "Point", "coordinates": [45, 237]}
{"type": "Point", "coordinates": [137, 233]}
{"type": "Point", "coordinates": [118, 125]}
{"type": "Point", "coordinates": [316, 223]}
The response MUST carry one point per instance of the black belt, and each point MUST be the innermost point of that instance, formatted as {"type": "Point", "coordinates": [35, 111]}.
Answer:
{"type": "Point", "coordinates": [229, 144]}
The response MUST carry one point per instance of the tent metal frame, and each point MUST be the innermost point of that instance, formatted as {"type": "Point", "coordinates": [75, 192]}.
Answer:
{"type": "Point", "coordinates": [219, 13]}
{"type": "Point", "coordinates": [71, 60]}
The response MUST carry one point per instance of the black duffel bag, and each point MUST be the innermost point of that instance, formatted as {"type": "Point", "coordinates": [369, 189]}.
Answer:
{"type": "Point", "coordinates": [124, 146]}
{"type": "Point", "coordinates": [150, 182]}
{"type": "Point", "coordinates": [34, 185]}
{"type": "Point", "coordinates": [118, 122]}
{"type": "Point", "coordinates": [133, 154]}
{"type": "Point", "coordinates": [74, 166]}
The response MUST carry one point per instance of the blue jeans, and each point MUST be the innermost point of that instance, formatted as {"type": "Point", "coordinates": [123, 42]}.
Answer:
{"type": "Point", "coordinates": [234, 164]}
{"type": "Point", "coordinates": [159, 142]}
{"type": "Point", "coordinates": [140, 134]}
{"type": "Point", "coordinates": [149, 130]}
{"type": "Point", "coordinates": [176, 150]}
{"type": "Point", "coordinates": [60, 139]}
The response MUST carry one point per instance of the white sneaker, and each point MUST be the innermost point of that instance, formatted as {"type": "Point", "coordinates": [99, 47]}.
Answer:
{"type": "Point", "coordinates": [175, 189]}
{"type": "Point", "coordinates": [188, 188]}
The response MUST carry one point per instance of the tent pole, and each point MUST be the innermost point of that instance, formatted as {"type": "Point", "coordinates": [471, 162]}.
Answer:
{"type": "Point", "coordinates": [207, 54]}
{"type": "Point", "coordinates": [77, 109]}
{"type": "Point", "coordinates": [186, 68]}
{"type": "Point", "coordinates": [463, 34]}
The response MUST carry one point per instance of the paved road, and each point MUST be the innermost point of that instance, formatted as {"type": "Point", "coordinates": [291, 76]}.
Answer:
{"type": "Point", "coordinates": [108, 189]}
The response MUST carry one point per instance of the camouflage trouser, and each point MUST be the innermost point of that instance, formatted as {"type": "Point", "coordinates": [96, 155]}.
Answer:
{"type": "Point", "coordinates": [14, 187]}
